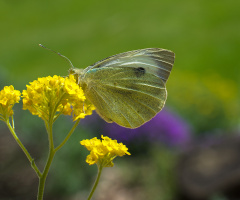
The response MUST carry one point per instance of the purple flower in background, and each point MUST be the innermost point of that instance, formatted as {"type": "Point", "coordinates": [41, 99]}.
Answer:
{"type": "Point", "coordinates": [166, 127]}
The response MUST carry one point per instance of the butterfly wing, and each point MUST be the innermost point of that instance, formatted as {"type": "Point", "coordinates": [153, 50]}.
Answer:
{"type": "Point", "coordinates": [129, 88]}
{"type": "Point", "coordinates": [155, 60]}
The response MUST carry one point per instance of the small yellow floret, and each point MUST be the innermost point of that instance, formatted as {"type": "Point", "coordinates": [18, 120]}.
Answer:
{"type": "Point", "coordinates": [8, 97]}
{"type": "Point", "coordinates": [103, 152]}
{"type": "Point", "coordinates": [48, 96]}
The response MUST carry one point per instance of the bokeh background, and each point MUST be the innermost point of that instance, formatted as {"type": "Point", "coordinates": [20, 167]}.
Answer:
{"type": "Point", "coordinates": [189, 151]}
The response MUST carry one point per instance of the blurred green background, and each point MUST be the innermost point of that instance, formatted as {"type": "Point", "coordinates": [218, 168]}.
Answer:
{"type": "Point", "coordinates": [203, 88]}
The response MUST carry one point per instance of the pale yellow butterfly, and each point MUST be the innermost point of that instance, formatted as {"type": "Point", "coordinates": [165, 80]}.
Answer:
{"type": "Point", "coordinates": [128, 88]}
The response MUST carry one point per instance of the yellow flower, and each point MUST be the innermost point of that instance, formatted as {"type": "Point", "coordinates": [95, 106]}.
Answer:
{"type": "Point", "coordinates": [50, 96]}
{"type": "Point", "coordinates": [103, 152]}
{"type": "Point", "coordinates": [8, 97]}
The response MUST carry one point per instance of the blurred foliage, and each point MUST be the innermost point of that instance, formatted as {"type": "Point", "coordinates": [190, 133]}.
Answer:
{"type": "Point", "coordinates": [209, 102]}
{"type": "Point", "coordinates": [203, 87]}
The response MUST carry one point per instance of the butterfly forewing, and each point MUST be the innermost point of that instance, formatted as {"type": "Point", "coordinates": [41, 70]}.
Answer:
{"type": "Point", "coordinates": [129, 88]}
{"type": "Point", "coordinates": [155, 60]}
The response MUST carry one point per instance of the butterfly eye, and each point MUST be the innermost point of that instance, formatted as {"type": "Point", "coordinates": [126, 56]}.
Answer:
{"type": "Point", "coordinates": [71, 71]}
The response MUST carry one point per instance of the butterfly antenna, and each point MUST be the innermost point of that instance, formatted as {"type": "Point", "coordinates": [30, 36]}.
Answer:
{"type": "Point", "coordinates": [66, 58]}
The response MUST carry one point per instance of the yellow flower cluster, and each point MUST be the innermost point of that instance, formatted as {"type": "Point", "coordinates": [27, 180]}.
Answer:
{"type": "Point", "coordinates": [49, 96]}
{"type": "Point", "coordinates": [8, 97]}
{"type": "Point", "coordinates": [103, 152]}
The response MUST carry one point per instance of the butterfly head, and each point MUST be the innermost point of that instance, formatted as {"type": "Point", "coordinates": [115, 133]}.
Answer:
{"type": "Point", "coordinates": [77, 73]}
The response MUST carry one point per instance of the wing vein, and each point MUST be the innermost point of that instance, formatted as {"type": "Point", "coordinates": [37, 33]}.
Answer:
{"type": "Point", "coordinates": [109, 102]}
{"type": "Point", "coordinates": [129, 89]}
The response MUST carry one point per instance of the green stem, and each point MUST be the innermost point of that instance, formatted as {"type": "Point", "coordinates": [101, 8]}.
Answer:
{"type": "Point", "coordinates": [31, 160]}
{"type": "Point", "coordinates": [51, 154]}
{"type": "Point", "coordinates": [68, 136]}
{"type": "Point", "coordinates": [42, 179]}
{"type": "Point", "coordinates": [96, 182]}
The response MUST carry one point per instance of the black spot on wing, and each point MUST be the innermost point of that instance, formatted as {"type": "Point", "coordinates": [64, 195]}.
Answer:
{"type": "Point", "coordinates": [140, 71]}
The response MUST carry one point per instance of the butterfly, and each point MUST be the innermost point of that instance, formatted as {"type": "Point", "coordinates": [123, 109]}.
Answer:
{"type": "Point", "coordinates": [128, 88]}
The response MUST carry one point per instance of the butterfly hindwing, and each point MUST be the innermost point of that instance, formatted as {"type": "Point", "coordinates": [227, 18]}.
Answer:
{"type": "Point", "coordinates": [124, 95]}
